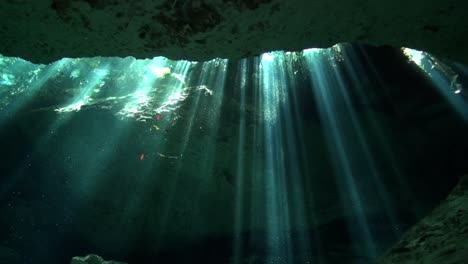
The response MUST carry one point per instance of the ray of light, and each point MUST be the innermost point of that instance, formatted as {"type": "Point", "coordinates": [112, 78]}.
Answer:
{"type": "Point", "coordinates": [272, 97]}
{"type": "Point", "coordinates": [297, 165]}
{"type": "Point", "coordinates": [383, 137]}
{"type": "Point", "coordinates": [257, 211]}
{"type": "Point", "coordinates": [55, 128]}
{"type": "Point", "coordinates": [85, 90]}
{"type": "Point", "coordinates": [22, 93]}
{"type": "Point", "coordinates": [199, 121]}
{"type": "Point", "coordinates": [352, 65]}
{"type": "Point", "coordinates": [332, 104]}
{"type": "Point", "coordinates": [444, 78]}
{"type": "Point", "coordinates": [240, 166]}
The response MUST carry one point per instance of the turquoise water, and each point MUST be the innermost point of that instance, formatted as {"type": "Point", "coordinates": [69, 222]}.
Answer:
{"type": "Point", "coordinates": [319, 156]}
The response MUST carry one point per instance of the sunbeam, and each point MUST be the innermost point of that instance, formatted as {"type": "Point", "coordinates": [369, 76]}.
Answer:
{"type": "Point", "coordinates": [444, 78]}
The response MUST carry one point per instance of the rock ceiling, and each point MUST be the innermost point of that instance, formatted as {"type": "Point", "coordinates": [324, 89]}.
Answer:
{"type": "Point", "coordinates": [43, 31]}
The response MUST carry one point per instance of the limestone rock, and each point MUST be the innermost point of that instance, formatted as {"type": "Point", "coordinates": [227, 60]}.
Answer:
{"type": "Point", "coordinates": [47, 30]}
{"type": "Point", "coordinates": [93, 259]}
{"type": "Point", "coordinates": [440, 238]}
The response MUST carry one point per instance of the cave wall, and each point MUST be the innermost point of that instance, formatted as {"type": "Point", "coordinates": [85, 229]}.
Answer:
{"type": "Point", "coordinates": [441, 237]}
{"type": "Point", "coordinates": [43, 31]}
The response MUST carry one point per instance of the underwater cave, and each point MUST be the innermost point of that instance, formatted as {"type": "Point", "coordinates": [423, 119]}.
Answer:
{"type": "Point", "coordinates": [206, 137]}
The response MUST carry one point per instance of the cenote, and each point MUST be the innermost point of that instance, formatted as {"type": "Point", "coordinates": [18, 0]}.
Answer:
{"type": "Point", "coordinates": [315, 156]}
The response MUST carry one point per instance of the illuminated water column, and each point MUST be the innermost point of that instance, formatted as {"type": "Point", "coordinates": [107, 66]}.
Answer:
{"type": "Point", "coordinates": [154, 101]}
{"type": "Point", "coordinates": [272, 97]}
{"type": "Point", "coordinates": [240, 166]}
{"type": "Point", "coordinates": [202, 116]}
{"type": "Point", "coordinates": [47, 140]}
{"type": "Point", "coordinates": [353, 67]}
{"type": "Point", "coordinates": [340, 131]}
{"type": "Point", "coordinates": [359, 58]}
{"type": "Point", "coordinates": [26, 91]}
{"type": "Point", "coordinates": [297, 172]}
{"type": "Point", "coordinates": [210, 87]}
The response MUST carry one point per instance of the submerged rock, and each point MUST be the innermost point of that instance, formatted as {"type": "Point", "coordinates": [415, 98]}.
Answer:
{"type": "Point", "coordinates": [93, 259]}
{"type": "Point", "coordinates": [441, 237]}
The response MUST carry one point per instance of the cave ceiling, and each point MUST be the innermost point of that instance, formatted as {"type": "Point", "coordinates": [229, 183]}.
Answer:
{"type": "Point", "coordinates": [43, 31]}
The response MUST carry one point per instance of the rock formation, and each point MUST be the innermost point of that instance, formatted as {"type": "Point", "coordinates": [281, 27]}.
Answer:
{"type": "Point", "coordinates": [440, 238]}
{"type": "Point", "coordinates": [43, 31]}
